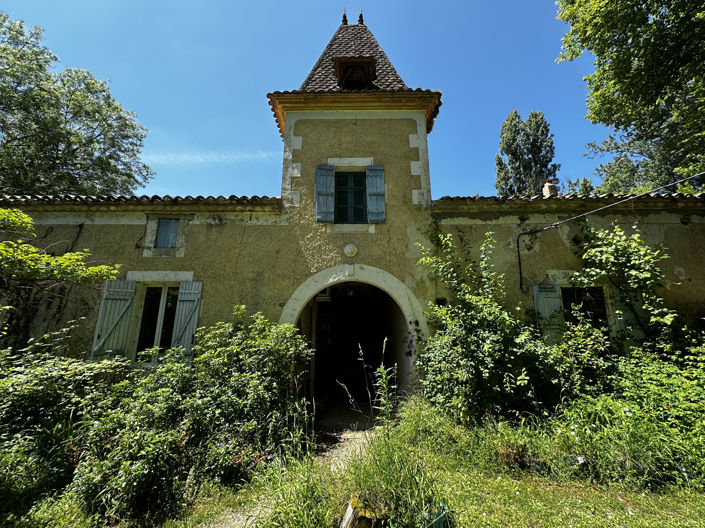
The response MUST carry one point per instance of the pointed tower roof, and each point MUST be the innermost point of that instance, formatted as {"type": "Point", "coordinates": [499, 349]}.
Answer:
{"type": "Point", "coordinates": [353, 41]}
{"type": "Point", "coordinates": [353, 73]}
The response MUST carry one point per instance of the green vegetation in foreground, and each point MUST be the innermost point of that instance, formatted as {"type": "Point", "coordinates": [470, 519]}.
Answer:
{"type": "Point", "coordinates": [133, 447]}
{"type": "Point", "coordinates": [463, 467]}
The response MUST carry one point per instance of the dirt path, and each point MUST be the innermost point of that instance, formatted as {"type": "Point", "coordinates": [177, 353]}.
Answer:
{"type": "Point", "coordinates": [341, 447]}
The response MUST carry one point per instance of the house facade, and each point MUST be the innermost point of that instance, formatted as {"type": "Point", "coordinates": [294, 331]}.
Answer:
{"type": "Point", "coordinates": [336, 254]}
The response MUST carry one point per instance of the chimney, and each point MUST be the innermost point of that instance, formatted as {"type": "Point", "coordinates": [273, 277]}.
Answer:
{"type": "Point", "coordinates": [550, 189]}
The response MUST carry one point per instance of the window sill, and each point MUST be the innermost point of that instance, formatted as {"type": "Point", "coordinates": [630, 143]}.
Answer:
{"type": "Point", "coordinates": [163, 252]}
{"type": "Point", "coordinates": [350, 228]}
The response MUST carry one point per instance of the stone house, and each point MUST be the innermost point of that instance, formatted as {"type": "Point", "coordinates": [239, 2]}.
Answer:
{"type": "Point", "coordinates": [336, 254]}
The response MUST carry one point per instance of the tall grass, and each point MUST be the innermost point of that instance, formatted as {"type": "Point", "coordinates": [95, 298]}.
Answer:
{"type": "Point", "coordinates": [298, 495]}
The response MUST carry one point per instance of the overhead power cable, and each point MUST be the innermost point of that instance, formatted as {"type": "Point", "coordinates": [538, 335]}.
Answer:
{"type": "Point", "coordinates": [572, 218]}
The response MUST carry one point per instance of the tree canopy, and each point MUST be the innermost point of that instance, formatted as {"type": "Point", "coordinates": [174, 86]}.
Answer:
{"type": "Point", "coordinates": [528, 148]}
{"type": "Point", "coordinates": [648, 84]}
{"type": "Point", "coordinates": [61, 132]}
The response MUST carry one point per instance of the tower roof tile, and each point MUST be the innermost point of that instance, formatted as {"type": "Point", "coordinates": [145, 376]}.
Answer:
{"type": "Point", "coordinates": [357, 41]}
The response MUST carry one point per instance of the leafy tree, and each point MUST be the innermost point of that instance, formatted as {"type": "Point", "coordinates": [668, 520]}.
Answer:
{"type": "Point", "coordinates": [581, 187]}
{"type": "Point", "coordinates": [26, 269]}
{"type": "Point", "coordinates": [637, 165]}
{"type": "Point", "coordinates": [528, 147]}
{"type": "Point", "coordinates": [648, 84]}
{"type": "Point", "coordinates": [61, 132]}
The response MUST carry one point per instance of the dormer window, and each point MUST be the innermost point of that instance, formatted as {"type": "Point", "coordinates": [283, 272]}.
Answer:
{"type": "Point", "coordinates": [355, 73]}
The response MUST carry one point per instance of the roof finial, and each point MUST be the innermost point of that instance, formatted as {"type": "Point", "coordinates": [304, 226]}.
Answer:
{"type": "Point", "coordinates": [345, 18]}
{"type": "Point", "coordinates": [360, 20]}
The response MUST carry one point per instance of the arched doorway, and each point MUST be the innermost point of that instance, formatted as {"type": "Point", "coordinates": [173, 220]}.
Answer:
{"type": "Point", "coordinates": [354, 327]}
{"type": "Point", "coordinates": [385, 290]}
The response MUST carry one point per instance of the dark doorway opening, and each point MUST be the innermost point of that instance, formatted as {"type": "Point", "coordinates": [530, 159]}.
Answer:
{"type": "Point", "coordinates": [347, 325]}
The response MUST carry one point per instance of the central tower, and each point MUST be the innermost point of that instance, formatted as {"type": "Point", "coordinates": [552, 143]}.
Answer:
{"type": "Point", "coordinates": [355, 149]}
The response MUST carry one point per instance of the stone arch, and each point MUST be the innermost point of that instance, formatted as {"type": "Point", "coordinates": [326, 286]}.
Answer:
{"type": "Point", "coordinates": [385, 281]}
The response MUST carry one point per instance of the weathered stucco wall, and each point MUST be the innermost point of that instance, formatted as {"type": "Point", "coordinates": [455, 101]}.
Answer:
{"type": "Point", "coordinates": [676, 226]}
{"type": "Point", "coordinates": [260, 258]}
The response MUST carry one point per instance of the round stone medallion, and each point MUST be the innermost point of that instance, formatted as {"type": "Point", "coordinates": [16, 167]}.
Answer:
{"type": "Point", "coordinates": [350, 250]}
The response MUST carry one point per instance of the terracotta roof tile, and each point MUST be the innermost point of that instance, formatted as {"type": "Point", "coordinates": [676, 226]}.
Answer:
{"type": "Point", "coordinates": [65, 199]}
{"type": "Point", "coordinates": [351, 41]}
{"type": "Point", "coordinates": [568, 197]}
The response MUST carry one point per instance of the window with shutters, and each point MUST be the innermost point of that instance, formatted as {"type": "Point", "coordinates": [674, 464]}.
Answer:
{"type": "Point", "coordinates": [553, 303]}
{"type": "Point", "coordinates": [350, 196]}
{"type": "Point", "coordinates": [136, 316]}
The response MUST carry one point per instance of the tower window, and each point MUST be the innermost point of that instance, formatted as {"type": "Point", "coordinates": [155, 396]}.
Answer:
{"type": "Point", "coordinates": [350, 197]}
{"type": "Point", "coordinates": [350, 203]}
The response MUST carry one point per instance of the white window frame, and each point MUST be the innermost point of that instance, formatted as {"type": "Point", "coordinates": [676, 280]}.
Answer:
{"type": "Point", "coordinates": [149, 279]}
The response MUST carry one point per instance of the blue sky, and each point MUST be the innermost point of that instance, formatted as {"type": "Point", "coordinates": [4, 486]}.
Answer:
{"type": "Point", "coordinates": [197, 73]}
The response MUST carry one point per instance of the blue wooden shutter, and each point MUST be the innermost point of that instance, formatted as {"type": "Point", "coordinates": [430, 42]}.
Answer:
{"type": "Point", "coordinates": [113, 318]}
{"type": "Point", "coordinates": [376, 211]}
{"type": "Point", "coordinates": [166, 233]}
{"type": "Point", "coordinates": [549, 310]}
{"type": "Point", "coordinates": [325, 193]}
{"type": "Point", "coordinates": [186, 317]}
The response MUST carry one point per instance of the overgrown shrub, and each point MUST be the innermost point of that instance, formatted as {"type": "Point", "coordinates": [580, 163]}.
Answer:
{"type": "Point", "coordinates": [43, 402]}
{"type": "Point", "coordinates": [584, 360]}
{"type": "Point", "coordinates": [135, 445]}
{"type": "Point", "coordinates": [631, 408]}
{"type": "Point", "coordinates": [481, 358]}
{"type": "Point", "coordinates": [672, 389]}
{"type": "Point", "coordinates": [164, 431]}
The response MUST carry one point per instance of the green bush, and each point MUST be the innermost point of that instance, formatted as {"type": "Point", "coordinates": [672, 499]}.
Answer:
{"type": "Point", "coordinates": [162, 432]}
{"type": "Point", "coordinates": [43, 402]}
{"type": "Point", "coordinates": [141, 477]}
{"type": "Point", "coordinates": [631, 409]}
{"type": "Point", "coordinates": [672, 388]}
{"type": "Point", "coordinates": [584, 360]}
{"type": "Point", "coordinates": [481, 360]}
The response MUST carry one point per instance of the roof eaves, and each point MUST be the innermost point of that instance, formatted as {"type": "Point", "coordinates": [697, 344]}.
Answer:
{"type": "Point", "coordinates": [114, 199]}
